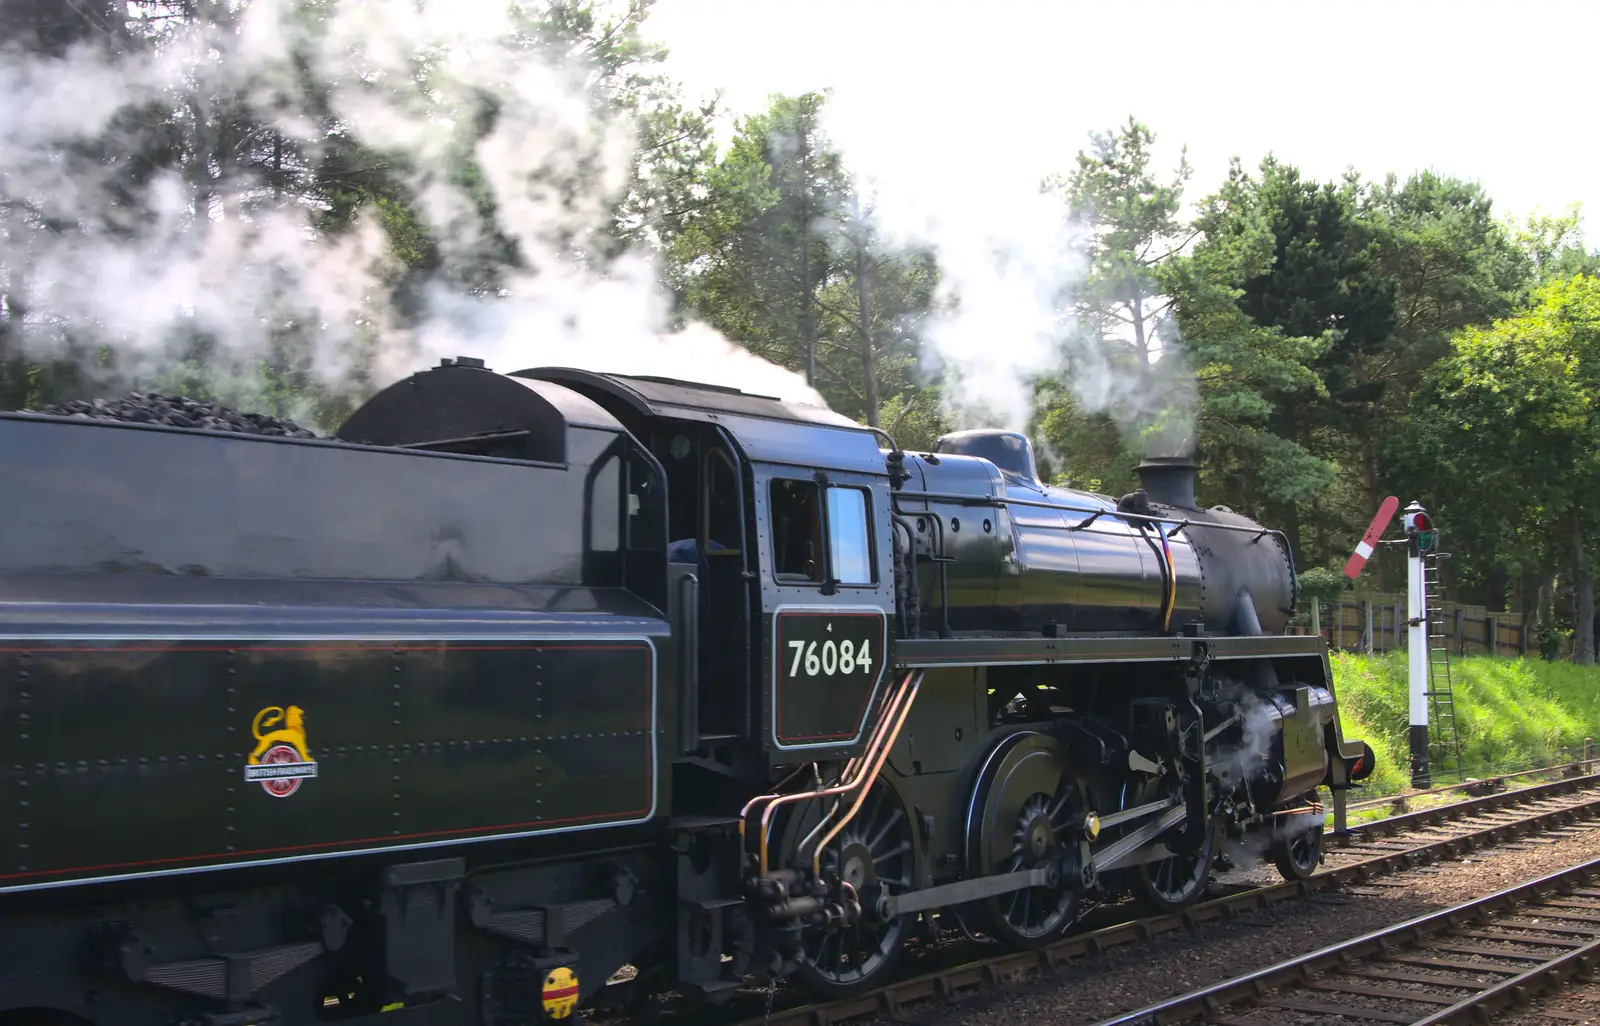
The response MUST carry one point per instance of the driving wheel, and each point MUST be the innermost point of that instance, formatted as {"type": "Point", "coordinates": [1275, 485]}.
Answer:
{"type": "Point", "coordinates": [875, 850]}
{"type": "Point", "coordinates": [1023, 816]}
{"type": "Point", "coordinates": [1173, 883]}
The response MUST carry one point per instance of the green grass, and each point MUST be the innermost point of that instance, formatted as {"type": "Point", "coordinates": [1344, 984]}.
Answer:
{"type": "Point", "coordinates": [1510, 713]}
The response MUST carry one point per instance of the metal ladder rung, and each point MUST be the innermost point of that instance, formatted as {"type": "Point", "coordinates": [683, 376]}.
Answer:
{"type": "Point", "coordinates": [1439, 692]}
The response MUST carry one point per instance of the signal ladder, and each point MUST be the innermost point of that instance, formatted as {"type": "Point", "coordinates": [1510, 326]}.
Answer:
{"type": "Point", "coordinates": [1441, 701]}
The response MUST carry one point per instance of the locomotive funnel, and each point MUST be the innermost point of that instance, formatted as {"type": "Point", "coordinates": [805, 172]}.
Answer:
{"type": "Point", "coordinates": [1009, 450]}
{"type": "Point", "coordinates": [1169, 480]}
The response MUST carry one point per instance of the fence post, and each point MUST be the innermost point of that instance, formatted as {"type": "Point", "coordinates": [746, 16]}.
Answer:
{"type": "Point", "coordinates": [1316, 616]}
{"type": "Point", "coordinates": [1461, 632]}
{"type": "Point", "coordinates": [1366, 606]}
{"type": "Point", "coordinates": [1399, 635]}
{"type": "Point", "coordinates": [1493, 627]}
{"type": "Point", "coordinates": [1524, 632]}
{"type": "Point", "coordinates": [1588, 755]}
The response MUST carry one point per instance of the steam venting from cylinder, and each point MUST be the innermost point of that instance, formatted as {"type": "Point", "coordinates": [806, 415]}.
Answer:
{"type": "Point", "coordinates": [1009, 450]}
{"type": "Point", "coordinates": [1169, 480]}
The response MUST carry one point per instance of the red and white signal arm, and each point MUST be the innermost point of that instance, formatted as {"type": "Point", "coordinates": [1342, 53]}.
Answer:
{"type": "Point", "coordinates": [1369, 541]}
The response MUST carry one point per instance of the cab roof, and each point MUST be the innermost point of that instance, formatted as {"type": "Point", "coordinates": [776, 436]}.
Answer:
{"type": "Point", "coordinates": [767, 428]}
{"type": "Point", "coordinates": [692, 400]}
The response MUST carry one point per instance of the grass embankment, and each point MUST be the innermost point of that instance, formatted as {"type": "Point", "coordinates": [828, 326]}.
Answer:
{"type": "Point", "coordinates": [1511, 714]}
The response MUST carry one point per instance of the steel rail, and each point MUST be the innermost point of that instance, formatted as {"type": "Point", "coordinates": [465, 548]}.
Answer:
{"type": "Point", "coordinates": [1209, 1001]}
{"type": "Point", "coordinates": [1391, 825]}
{"type": "Point", "coordinates": [1390, 799]}
{"type": "Point", "coordinates": [994, 971]}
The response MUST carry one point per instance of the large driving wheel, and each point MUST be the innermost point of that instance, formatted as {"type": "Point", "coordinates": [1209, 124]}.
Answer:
{"type": "Point", "coordinates": [1297, 841]}
{"type": "Point", "coordinates": [1173, 883]}
{"type": "Point", "coordinates": [875, 850]}
{"type": "Point", "coordinates": [1024, 812]}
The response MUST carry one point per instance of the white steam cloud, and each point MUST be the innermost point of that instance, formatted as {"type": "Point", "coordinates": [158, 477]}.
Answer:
{"type": "Point", "coordinates": [215, 250]}
{"type": "Point", "coordinates": [1013, 266]}
{"type": "Point", "coordinates": [1008, 267]}
{"type": "Point", "coordinates": [1245, 758]}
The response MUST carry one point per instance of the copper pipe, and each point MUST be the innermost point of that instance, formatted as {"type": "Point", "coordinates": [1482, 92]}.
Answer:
{"type": "Point", "coordinates": [879, 730]}
{"type": "Point", "coordinates": [850, 767]}
{"type": "Point", "coordinates": [744, 813]}
{"type": "Point", "coordinates": [847, 779]}
{"type": "Point", "coordinates": [822, 824]}
{"type": "Point", "coordinates": [872, 775]}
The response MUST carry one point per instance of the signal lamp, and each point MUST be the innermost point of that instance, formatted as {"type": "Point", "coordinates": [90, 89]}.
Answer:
{"type": "Point", "coordinates": [1419, 527]}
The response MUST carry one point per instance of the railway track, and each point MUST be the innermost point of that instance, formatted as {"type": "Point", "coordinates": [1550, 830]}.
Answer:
{"type": "Point", "coordinates": [1478, 785]}
{"type": "Point", "coordinates": [1461, 964]}
{"type": "Point", "coordinates": [1361, 857]}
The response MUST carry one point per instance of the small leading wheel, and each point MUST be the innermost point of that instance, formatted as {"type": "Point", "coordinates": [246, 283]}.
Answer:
{"type": "Point", "coordinates": [875, 850]}
{"type": "Point", "coordinates": [1297, 841]}
{"type": "Point", "coordinates": [1026, 811]}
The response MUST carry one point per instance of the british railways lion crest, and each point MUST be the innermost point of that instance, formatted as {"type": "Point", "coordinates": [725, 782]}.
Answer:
{"type": "Point", "coordinates": [281, 758]}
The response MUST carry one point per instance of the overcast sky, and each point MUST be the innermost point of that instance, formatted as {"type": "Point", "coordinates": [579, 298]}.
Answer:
{"type": "Point", "coordinates": [937, 98]}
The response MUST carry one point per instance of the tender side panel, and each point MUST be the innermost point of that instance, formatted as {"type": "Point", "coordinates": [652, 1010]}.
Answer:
{"type": "Point", "coordinates": [138, 757]}
{"type": "Point", "coordinates": [827, 664]}
{"type": "Point", "coordinates": [87, 497]}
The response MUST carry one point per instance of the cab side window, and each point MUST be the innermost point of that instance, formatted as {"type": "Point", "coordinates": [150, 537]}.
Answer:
{"type": "Point", "coordinates": [723, 528]}
{"type": "Point", "coordinates": [797, 534]}
{"type": "Point", "coordinates": [850, 547]}
{"type": "Point", "coordinates": [796, 531]}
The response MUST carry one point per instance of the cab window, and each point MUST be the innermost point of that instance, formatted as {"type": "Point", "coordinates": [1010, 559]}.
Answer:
{"type": "Point", "coordinates": [849, 546]}
{"type": "Point", "coordinates": [796, 531]}
{"type": "Point", "coordinates": [799, 552]}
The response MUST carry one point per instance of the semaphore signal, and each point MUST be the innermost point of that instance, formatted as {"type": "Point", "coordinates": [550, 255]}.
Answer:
{"type": "Point", "coordinates": [1369, 541]}
{"type": "Point", "coordinates": [1420, 538]}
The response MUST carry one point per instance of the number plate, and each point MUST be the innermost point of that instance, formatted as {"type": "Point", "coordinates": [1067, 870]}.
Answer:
{"type": "Point", "coordinates": [826, 664]}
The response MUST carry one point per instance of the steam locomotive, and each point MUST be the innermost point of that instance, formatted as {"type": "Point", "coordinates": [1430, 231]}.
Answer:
{"type": "Point", "coordinates": [525, 679]}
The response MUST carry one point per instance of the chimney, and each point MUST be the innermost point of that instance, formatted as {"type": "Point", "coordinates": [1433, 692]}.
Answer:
{"type": "Point", "coordinates": [1169, 480]}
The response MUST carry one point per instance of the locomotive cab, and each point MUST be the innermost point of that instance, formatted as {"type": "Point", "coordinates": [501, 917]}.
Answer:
{"type": "Point", "coordinates": [780, 511]}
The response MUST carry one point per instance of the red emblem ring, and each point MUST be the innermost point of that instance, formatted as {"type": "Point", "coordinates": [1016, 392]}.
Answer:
{"type": "Point", "coordinates": [281, 787]}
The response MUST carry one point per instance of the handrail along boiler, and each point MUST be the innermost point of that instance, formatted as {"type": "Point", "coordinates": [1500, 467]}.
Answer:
{"type": "Point", "coordinates": [524, 678]}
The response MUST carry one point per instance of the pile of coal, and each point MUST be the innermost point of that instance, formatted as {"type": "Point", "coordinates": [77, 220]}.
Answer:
{"type": "Point", "coordinates": [177, 411]}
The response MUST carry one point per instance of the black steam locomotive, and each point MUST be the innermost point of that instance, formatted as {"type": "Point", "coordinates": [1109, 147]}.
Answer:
{"type": "Point", "coordinates": [522, 680]}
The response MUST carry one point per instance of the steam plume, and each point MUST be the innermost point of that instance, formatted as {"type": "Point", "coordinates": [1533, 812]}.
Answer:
{"type": "Point", "coordinates": [214, 251]}
{"type": "Point", "coordinates": [1015, 271]}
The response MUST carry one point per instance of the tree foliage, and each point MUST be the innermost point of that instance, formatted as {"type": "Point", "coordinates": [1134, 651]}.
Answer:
{"type": "Point", "coordinates": [1320, 344]}
{"type": "Point", "coordinates": [1518, 403]}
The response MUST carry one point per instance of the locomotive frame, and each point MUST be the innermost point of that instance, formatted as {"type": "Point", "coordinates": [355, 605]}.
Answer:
{"type": "Point", "coordinates": [526, 678]}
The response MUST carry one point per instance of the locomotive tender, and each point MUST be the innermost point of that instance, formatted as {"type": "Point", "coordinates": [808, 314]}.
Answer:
{"type": "Point", "coordinates": [525, 678]}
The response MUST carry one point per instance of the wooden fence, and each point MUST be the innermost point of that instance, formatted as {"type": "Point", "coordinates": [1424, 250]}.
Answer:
{"type": "Point", "coordinates": [1377, 623]}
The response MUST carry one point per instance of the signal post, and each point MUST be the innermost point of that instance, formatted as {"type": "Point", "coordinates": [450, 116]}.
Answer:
{"type": "Point", "coordinates": [1419, 540]}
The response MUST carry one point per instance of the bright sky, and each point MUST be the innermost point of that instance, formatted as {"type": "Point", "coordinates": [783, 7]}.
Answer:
{"type": "Point", "coordinates": [937, 97]}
